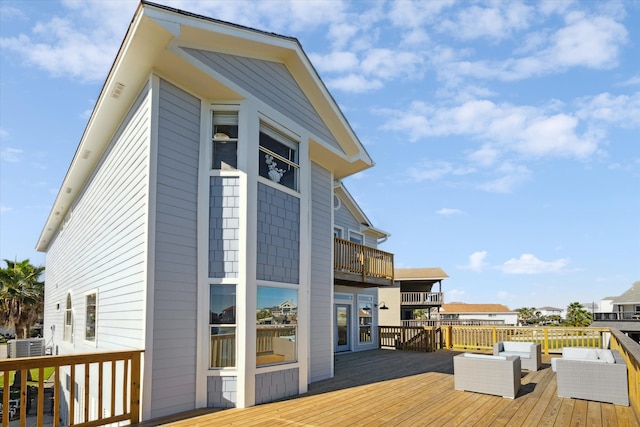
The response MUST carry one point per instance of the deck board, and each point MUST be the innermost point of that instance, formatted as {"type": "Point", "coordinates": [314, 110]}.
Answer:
{"type": "Point", "coordinates": [398, 388]}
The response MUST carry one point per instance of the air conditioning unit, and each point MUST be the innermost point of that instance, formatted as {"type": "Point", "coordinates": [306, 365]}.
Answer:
{"type": "Point", "coordinates": [25, 347]}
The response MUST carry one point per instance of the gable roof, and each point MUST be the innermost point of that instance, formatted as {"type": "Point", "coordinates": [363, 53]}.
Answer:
{"type": "Point", "coordinates": [474, 308]}
{"type": "Point", "coordinates": [158, 41]}
{"type": "Point", "coordinates": [631, 296]}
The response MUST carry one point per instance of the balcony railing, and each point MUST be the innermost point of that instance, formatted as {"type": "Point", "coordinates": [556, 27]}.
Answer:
{"type": "Point", "coordinates": [422, 298]}
{"type": "Point", "coordinates": [617, 315]}
{"type": "Point", "coordinates": [361, 265]}
{"type": "Point", "coordinates": [111, 381]}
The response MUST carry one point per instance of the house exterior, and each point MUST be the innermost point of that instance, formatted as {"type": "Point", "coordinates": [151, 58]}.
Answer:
{"type": "Point", "coordinates": [551, 311]}
{"type": "Point", "coordinates": [479, 314]}
{"type": "Point", "coordinates": [621, 312]}
{"type": "Point", "coordinates": [199, 221]}
{"type": "Point", "coordinates": [413, 289]}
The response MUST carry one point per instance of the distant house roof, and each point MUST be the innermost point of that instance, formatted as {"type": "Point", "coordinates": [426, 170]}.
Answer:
{"type": "Point", "coordinates": [434, 273]}
{"type": "Point", "coordinates": [550, 308]}
{"type": "Point", "coordinates": [474, 308]}
{"type": "Point", "coordinates": [631, 296]}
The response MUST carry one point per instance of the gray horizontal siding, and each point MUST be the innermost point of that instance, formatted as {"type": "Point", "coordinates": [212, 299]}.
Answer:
{"type": "Point", "coordinates": [271, 83]}
{"type": "Point", "coordinates": [102, 246]}
{"type": "Point", "coordinates": [175, 252]}
{"type": "Point", "coordinates": [321, 351]}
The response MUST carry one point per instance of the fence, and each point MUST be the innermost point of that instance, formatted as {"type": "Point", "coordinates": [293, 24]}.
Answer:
{"type": "Point", "coordinates": [110, 380]}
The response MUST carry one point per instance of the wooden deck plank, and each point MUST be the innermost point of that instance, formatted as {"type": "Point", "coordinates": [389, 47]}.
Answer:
{"type": "Point", "coordinates": [396, 388]}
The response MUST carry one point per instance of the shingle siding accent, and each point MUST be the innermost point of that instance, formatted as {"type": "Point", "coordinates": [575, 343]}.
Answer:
{"type": "Point", "coordinates": [224, 225]}
{"type": "Point", "coordinates": [222, 392]}
{"type": "Point", "coordinates": [278, 257]}
{"type": "Point", "coordinates": [275, 385]}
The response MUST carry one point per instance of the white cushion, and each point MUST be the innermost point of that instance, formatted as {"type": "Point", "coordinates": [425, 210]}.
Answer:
{"type": "Point", "coordinates": [483, 356]}
{"type": "Point", "coordinates": [522, 354]}
{"type": "Point", "coordinates": [579, 353]}
{"type": "Point", "coordinates": [606, 356]}
{"type": "Point", "coordinates": [522, 347]}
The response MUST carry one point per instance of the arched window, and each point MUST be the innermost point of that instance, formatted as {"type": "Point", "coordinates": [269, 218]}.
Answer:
{"type": "Point", "coordinates": [68, 320]}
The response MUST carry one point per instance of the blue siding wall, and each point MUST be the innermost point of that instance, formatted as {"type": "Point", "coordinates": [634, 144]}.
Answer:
{"type": "Point", "coordinates": [278, 236]}
{"type": "Point", "coordinates": [175, 293]}
{"type": "Point", "coordinates": [270, 82]}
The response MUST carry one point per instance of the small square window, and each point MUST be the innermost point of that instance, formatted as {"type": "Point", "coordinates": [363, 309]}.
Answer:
{"type": "Point", "coordinates": [225, 140]}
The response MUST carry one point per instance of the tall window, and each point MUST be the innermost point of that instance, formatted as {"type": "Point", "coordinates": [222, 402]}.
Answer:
{"type": "Point", "coordinates": [365, 318]}
{"type": "Point", "coordinates": [90, 322]}
{"type": "Point", "coordinates": [68, 321]}
{"type": "Point", "coordinates": [277, 326]}
{"type": "Point", "coordinates": [356, 237]}
{"type": "Point", "coordinates": [225, 140]}
{"type": "Point", "coordinates": [278, 158]}
{"type": "Point", "coordinates": [222, 325]}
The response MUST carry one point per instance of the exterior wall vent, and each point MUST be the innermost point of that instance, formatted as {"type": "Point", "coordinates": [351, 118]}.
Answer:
{"type": "Point", "coordinates": [117, 90]}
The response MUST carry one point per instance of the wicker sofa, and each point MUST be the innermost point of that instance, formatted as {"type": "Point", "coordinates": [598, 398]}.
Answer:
{"type": "Point", "coordinates": [497, 375]}
{"type": "Point", "coordinates": [592, 374]}
{"type": "Point", "coordinates": [530, 353]}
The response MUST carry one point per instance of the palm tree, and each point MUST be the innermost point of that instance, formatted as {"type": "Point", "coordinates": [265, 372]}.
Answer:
{"type": "Point", "coordinates": [526, 314]}
{"type": "Point", "coordinates": [577, 315]}
{"type": "Point", "coordinates": [21, 296]}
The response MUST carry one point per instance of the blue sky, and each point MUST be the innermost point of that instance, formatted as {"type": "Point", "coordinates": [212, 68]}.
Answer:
{"type": "Point", "coordinates": [506, 135]}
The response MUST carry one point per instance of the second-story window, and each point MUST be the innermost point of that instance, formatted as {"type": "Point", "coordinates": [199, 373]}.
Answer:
{"type": "Point", "coordinates": [278, 158]}
{"type": "Point", "coordinates": [225, 140]}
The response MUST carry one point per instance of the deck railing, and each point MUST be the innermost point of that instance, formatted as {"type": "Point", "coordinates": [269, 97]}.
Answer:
{"type": "Point", "coordinates": [552, 339]}
{"type": "Point", "coordinates": [422, 298]}
{"type": "Point", "coordinates": [436, 323]}
{"type": "Point", "coordinates": [617, 315]}
{"type": "Point", "coordinates": [407, 338]}
{"type": "Point", "coordinates": [362, 261]}
{"type": "Point", "coordinates": [111, 380]}
{"type": "Point", "coordinates": [630, 352]}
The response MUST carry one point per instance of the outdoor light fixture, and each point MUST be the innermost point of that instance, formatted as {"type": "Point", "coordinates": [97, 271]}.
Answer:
{"type": "Point", "coordinates": [382, 306]}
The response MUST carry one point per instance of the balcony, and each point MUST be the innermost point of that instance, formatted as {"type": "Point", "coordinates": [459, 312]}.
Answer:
{"type": "Point", "coordinates": [617, 316]}
{"type": "Point", "coordinates": [359, 265]}
{"type": "Point", "coordinates": [422, 299]}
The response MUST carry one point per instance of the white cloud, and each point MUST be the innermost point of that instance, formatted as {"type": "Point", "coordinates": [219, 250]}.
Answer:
{"type": "Point", "coordinates": [354, 83]}
{"type": "Point", "coordinates": [510, 177]}
{"type": "Point", "coordinates": [589, 42]}
{"type": "Point", "coordinates": [495, 22]}
{"type": "Point", "coordinates": [4, 209]}
{"type": "Point", "coordinates": [622, 110]}
{"type": "Point", "coordinates": [449, 211]}
{"type": "Point", "coordinates": [431, 171]}
{"type": "Point", "coordinates": [476, 261]}
{"type": "Point", "coordinates": [455, 294]}
{"type": "Point", "coordinates": [527, 131]}
{"type": "Point", "coordinates": [10, 155]}
{"type": "Point", "coordinates": [335, 61]}
{"type": "Point", "coordinates": [530, 264]}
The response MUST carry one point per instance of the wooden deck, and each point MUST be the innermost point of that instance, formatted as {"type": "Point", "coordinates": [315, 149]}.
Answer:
{"type": "Point", "coordinates": [398, 388]}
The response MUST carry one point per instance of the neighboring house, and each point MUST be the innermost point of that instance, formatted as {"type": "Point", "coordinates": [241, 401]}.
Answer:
{"type": "Point", "coordinates": [203, 220]}
{"type": "Point", "coordinates": [412, 290]}
{"type": "Point", "coordinates": [479, 314]}
{"type": "Point", "coordinates": [551, 311]}
{"type": "Point", "coordinates": [624, 313]}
